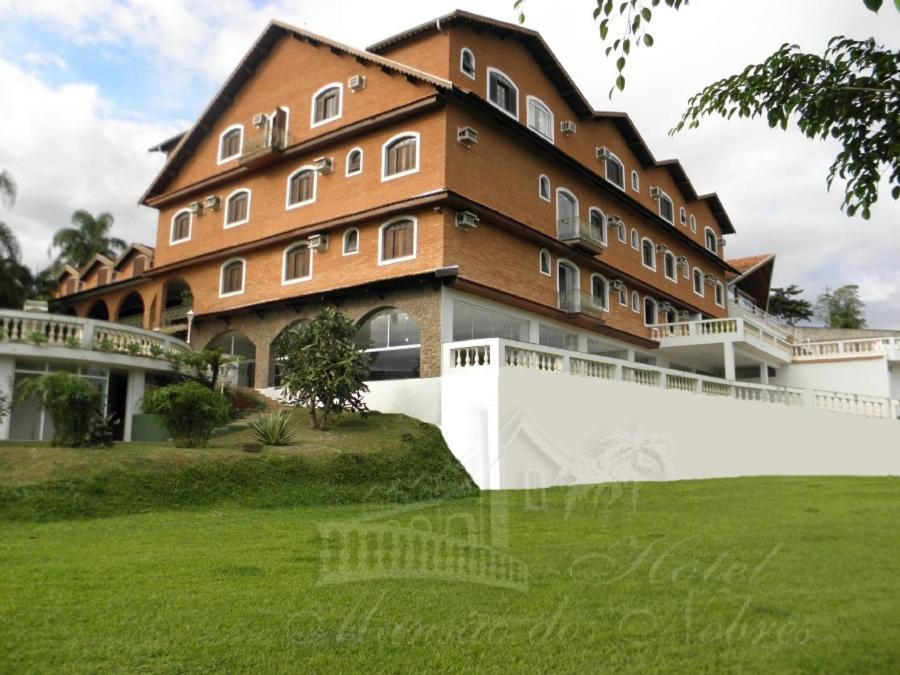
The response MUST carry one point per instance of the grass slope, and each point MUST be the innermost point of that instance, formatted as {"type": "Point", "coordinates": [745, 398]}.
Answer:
{"type": "Point", "coordinates": [763, 575]}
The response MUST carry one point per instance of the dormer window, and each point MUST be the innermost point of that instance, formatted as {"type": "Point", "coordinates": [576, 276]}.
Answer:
{"type": "Point", "coordinates": [230, 143]}
{"type": "Point", "coordinates": [502, 93]}
{"type": "Point", "coordinates": [540, 118]}
{"type": "Point", "coordinates": [615, 171]}
{"type": "Point", "coordinates": [103, 277]}
{"type": "Point", "coordinates": [140, 264]}
{"type": "Point", "coordinates": [326, 104]}
{"type": "Point", "coordinates": [467, 62]}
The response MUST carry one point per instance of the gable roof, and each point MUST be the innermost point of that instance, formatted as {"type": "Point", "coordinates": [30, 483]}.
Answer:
{"type": "Point", "coordinates": [134, 249]}
{"type": "Point", "coordinates": [98, 259]}
{"type": "Point", "coordinates": [570, 92]}
{"type": "Point", "coordinates": [258, 52]}
{"type": "Point", "coordinates": [754, 276]}
{"type": "Point", "coordinates": [67, 269]}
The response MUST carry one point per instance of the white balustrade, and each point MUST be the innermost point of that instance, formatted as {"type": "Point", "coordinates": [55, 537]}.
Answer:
{"type": "Point", "coordinates": [837, 349]}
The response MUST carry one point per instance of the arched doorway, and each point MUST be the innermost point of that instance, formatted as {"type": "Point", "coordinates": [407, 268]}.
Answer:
{"type": "Point", "coordinates": [235, 343]}
{"type": "Point", "coordinates": [275, 356]}
{"type": "Point", "coordinates": [178, 299]}
{"type": "Point", "coordinates": [568, 283]}
{"type": "Point", "coordinates": [393, 340]}
{"type": "Point", "coordinates": [99, 310]}
{"type": "Point", "coordinates": [131, 311]}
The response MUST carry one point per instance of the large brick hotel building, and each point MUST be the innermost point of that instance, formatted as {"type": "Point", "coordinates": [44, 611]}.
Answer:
{"type": "Point", "coordinates": [450, 182]}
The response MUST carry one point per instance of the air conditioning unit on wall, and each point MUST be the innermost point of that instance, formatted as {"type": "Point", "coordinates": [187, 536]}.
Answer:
{"type": "Point", "coordinates": [466, 220]}
{"type": "Point", "coordinates": [567, 128]}
{"type": "Point", "coordinates": [467, 136]}
{"type": "Point", "coordinates": [260, 119]}
{"type": "Point", "coordinates": [318, 242]}
{"type": "Point", "coordinates": [324, 164]}
{"type": "Point", "coordinates": [195, 208]}
{"type": "Point", "coordinates": [212, 202]}
{"type": "Point", "coordinates": [654, 193]}
{"type": "Point", "coordinates": [602, 153]}
{"type": "Point", "coordinates": [356, 82]}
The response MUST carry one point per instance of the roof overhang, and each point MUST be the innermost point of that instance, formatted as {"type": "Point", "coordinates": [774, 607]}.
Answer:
{"type": "Point", "coordinates": [756, 280]}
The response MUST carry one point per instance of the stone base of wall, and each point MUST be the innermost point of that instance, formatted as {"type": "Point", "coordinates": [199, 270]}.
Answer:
{"type": "Point", "coordinates": [262, 326]}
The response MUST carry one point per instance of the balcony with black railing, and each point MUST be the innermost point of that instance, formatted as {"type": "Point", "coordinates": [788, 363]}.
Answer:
{"type": "Point", "coordinates": [264, 147]}
{"type": "Point", "coordinates": [582, 234]}
{"type": "Point", "coordinates": [576, 302]}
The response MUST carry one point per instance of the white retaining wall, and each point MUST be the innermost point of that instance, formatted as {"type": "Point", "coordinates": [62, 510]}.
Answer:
{"type": "Point", "coordinates": [869, 376]}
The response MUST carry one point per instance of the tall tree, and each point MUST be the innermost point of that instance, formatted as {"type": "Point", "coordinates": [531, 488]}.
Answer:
{"type": "Point", "coordinates": [91, 235]}
{"type": "Point", "coordinates": [8, 188]}
{"type": "Point", "coordinates": [851, 93]}
{"type": "Point", "coordinates": [841, 308]}
{"type": "Point", "coordinates": [786, 304]}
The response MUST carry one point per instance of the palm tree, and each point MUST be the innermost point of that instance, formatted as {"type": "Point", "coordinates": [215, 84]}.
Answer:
{"type": "Point", "coordinates": [79, 244]}
{"type": "Point", "coordinates": [7, 188]}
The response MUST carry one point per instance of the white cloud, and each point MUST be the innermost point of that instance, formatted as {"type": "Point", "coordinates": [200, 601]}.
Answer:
{"type": "Point", "coordinates": [45, 59]}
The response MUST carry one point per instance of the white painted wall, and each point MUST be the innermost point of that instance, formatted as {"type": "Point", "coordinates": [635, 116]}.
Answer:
{"type": "Point", "coordinates": [419, 398]}
{"type": "Point", "coordinates": [868, 376]}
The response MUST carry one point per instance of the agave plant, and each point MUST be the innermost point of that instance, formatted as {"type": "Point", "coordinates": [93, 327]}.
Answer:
{"type": "Point", "coordinates": [274, 428]}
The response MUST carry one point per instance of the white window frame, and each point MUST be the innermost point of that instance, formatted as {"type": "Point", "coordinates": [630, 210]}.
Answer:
{"type": "Point", "coordinates": [542, 254]}
{"type": "Point", "coordinates": [462, 53]}
{"type": "Point", "coordinates": [635, 302]}
{"type": "Point", "coordinates": [635, 239]}
{"type": "Point", "coordinates": [287, 191]}
{"type": "Point", "coordinates": [172, 240]}
{"type": "Point", "coordinates": [682, 216]}
{"type": "Point", "coordinates": [669, 255]}
{"type": "Point", "coordinates": [312, 254]}
{"type": "Point", "coordinates": [219, 159]}
{"type": "Point", "coordinates": [635, 181]}
{"type": "Point", "coordinates": [415, 222]}
{"type": "Point", "coordinates": [347, 232]}
{"type": "Point", "coordinates": [362, 157]}
{"type": "Point", "coordinates": [693, 224]}
{"type": "Point", "coordinates": [572, 195]}
{"type": "Point", "coordinates": [719, 288]}
{"type": "Point", "coordinates": [655, 310]}
{"type": "Point", "coordinates": [622, 233]}
{"type": "Point", "coordinates": [222, 267]}
{"type": "Point", "coordinates": [614, 158]}
{"type": "Point", "coordinates": [603, 224]}
{"type": "Point", "coordinates": [529, 118]}
{"type": "Point", "coordinates": [565, 262]}
{"type": "Point", "coordinates": [663, 195]}
{"type": "Point", "coordinates": [702, 291]}
{"type": "Point", "coordinates": [623, 296]}
{"type": "Point", "coordinates": [549, 197]}
{"type": "Point", "coordinates": [384, 150]}
{"type": "Point", "coordinates": [515, 87]}
{"type": "Point", "coordinates": [706, 232]}
{"type": "Point", "coordinates": [312, 109]}
{"type": "Point", "coordinates": [605, 305]}
{"type": "Point", "coordinates": [225, 224]}
{"type": "Point", "coordinates": [653, 248]}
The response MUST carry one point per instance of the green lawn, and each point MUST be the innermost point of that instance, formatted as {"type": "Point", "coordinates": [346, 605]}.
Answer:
{"type": "Point", "coordinates": [762, 575]}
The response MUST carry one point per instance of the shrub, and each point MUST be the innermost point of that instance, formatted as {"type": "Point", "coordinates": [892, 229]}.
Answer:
{"type": "Point", "coordinates": [157, 352]}
{"type": "Point", "coordinates": [4, 406]}
{"type": "Point", "coordinates": [133, 348]}
{"type": "Point", "coordinates": [274, 428]}
{"type": "Point", "coordinates": [73, 403]}
{"type": "Point", "coordinates": [38, 338]}
{"type": "Point", "coordinates": [189, 411]}
{"type": "Point", "coordinates": [106, 345]}
{"type": "Point", "coordinates": [73, 342]}
{"type": "Point", "coordinates": [243, 400]}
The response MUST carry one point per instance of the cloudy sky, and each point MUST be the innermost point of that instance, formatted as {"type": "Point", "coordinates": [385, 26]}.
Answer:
{"type": "Point", "coordinates": [86, 90]}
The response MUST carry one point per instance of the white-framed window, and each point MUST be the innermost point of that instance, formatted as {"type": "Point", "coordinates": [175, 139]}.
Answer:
{"type": "Point", "coordinates": [670, 267]}
{"type": "Point", "coordinates": [698, 282]}
{"type": "Point", "coordinates": [566, 205]}
{"type": "Point", "coordinates": [635, 302]}
{"type": "Point", "coordinates": [354, 164]}
{"type": "Point", "coordinates": [544, 188]}
{"type": "Point", "coordinates": [635, 239]}
{"type": "Point", "coordinates": [351, 242]}
{"type": "Point", "coordinates": [301, 187]}
{"type": "Point", "coordinates": [648, 254]}
{"type": "Point", "coordinates": [237, 208]}
{"type": "Point", "coordinates": [623, 296]}
{"type": "Point", "coordinates": [400, 155]}
{"type": "Point", "coordinates": [693, 224]}
{"type": "Point", "coordinates": [182, 223]}
{"type": "Point", "coordinates": [615, 171]}
{"type": "Point", "coordinates": [326, 104]}
{"type": "Point", "coordinates": [635, 181]}
{"type": "Point", "coordinates": [710, 237]}
{"type": "Point", "coordinates": [540, 118]}
{"type": "Point", "coordinates": [568, 284]}
{"type": "Point", "coordinates": [297, 265]}
{"type": "Point", "coordinates": [720, 294]}
{"type": "Point", "coordinates": [666, 207]}
{"type": "Point", "coordinates": [467, 62]}
{"type": "Point", "coordinates": [502, 92]}
{"type": "Point", "coordinates": [231, 142]}
{"type": "Point", "coordinates": [686, 269]}
{"type": "Point", "coordinates": [651, 311]}
{"type": "Point", "coordinates": [622, 233]}
{"type": "Point", "coordinates": [600, 291]}
{"type": "Point", "coordinates": [597, 222]}
{"type": "Point", "coordinates": [397, 240]}
{"type": "Point", "coordinates": [545, 265]}
{"type": "Point", "coordinates": [232, 276]}
{"type": "Point", "coordinates": [671, 315]}
{"type": "Point", "coordinates": [682, 215]}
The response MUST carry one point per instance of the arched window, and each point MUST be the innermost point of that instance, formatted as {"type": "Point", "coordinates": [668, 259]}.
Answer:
{"type": "Point", "coordinates": [566, 207]}
{"type": "Point", "coordinates": [682, 215]}
{"type": "Point", "coordinates": [544, 188]}
{"type": "Point", "coordinates": [393, 340]}
{"type": "Point", "coordinates": [698, 281]}
{"type": "Point", "coordinates": [502, 92]}
{"type": "Point", "coordinates": [600, 291]}
{"type": "Point", "coordinates": [634, 239]}
{"type": "Point", "coordinates": [181, 227]}
{"type": "Point", "coordinates": [666, 208]}
{"type": "Point", "coordinates": [233, 343]}
{"type": "Point", "coordinates": [635, 181]}
{"type": "Point", "coordinates": [615, 171]}
{"type": "Point", "coordinates": [301, 187]}
{"type": "Point", "coordinates": [351, 241]}
{"type": "Point", "coordinates": [326, 104]}
{"type": "Point", "coordinates": [544, 264]}
{"type": "Point", "coordinates": [597, 222]}
{"type": "Point", "coordinates": [635, 302]}
{"type": "Point", "coordinates": [623, 295]}
{"type": "Point", "coordinates": [400, 156]}
{"type": "Point", "coordinates": [671, 315]}
{"type": "Point", "coordinates": [568, 285]}
{"type": "Point", "coordinates": [670, 267]}
{"type": "Point", "coordinates": [720, 294]}
{"type": "Point", "coordinates": [467, 62]}
{"type": "Point", "coordinates": [230, 143]}
{"type": "Point", "coordinates": [648, 254]}
{"type": "Point", "coordinates": [232, 275]}
{"type": "Point", "coordinates": [297, 264]}
{"type": "Point", "coordinates": [397, 240]}
{"type": "Point", "coordinates": [650, 311]}
{"type": "Point", "coordinates": [711, 243]}
{"type": "Point", "coordinates": [540, 118]}
{"type": "Point", "coordinates": [354, 161]}
{"type": "Point", "coordinates": [621, 231]}
{"type": "Point", "coordinates": [237, 208]}
{"type": "Point", "coordinates": [693, 224]}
